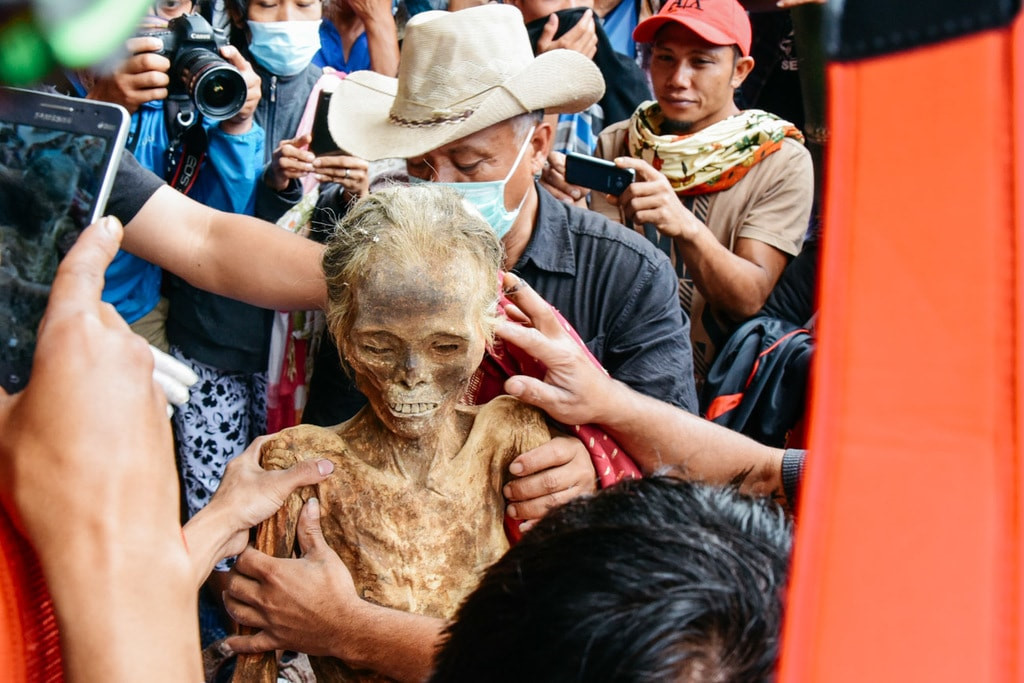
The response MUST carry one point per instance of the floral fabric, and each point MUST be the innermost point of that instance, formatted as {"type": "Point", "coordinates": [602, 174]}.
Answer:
{"type": "Point", "coordinates": [712, 159]}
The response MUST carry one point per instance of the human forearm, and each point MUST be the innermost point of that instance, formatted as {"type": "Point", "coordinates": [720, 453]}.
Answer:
{"type": "Point", "coordinates": [228, 254]}
{"type": "Point", "coordinates": [735, 286]}
{"type": "Point", "coordinates": [400, 645]}
{"type": "Point", "coordinates": [656, 434]}
{"type": "Point", "coordinates": [95, 491]}
{"type": "Point", "coordinates": [735, 279]}
{"type": "Point", "coordinates": [659, 435]}
{"type": "Point", "coordinates": [127, 623]}
{"type": "Point", "coordinates": [207, 536]}
{"type": "Point", "coordinates": [382, 42]}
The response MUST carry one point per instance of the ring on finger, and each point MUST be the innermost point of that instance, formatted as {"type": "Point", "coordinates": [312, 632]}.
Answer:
{"type": "Point", "coordinates": [346, 173]}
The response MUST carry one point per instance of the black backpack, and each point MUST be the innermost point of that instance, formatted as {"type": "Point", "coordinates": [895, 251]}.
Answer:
{"type": "Point", "coordinates": [758, 383]}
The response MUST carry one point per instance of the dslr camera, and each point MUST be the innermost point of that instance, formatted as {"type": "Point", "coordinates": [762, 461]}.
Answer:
{"type": "Point", "coordinates": [198, 72]}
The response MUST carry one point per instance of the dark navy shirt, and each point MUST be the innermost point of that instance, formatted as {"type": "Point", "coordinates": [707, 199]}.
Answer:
{"type": "Point", "coordinates": [611, 284]}
{"type": "Point", "coordinates": [619, 292]}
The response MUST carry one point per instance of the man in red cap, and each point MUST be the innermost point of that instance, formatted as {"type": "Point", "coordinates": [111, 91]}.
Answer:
{"type": "Point", "coordinates": [729, 192]}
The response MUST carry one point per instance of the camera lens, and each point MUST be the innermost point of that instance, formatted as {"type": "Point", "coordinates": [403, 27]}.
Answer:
{"type": "Point", "coordinates": [219, 91]}
{"type": "Point", "coordinates": [217, 88]}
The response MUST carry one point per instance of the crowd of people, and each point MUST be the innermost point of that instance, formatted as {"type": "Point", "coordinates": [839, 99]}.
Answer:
{"type": "Point", "coordinates": [473, 271]}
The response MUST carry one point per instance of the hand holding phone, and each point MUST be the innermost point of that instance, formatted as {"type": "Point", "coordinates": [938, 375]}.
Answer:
{"type": "Point", "coordinates": [58, 159]}
{"type": "Point", "coordinates": [322, 142]}
{"type": "Point", "coordinates": [597, 174]}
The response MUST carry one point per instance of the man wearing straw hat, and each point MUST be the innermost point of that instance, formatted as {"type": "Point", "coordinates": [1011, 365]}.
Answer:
{"type": "Point", "coordinates": [467, 110]}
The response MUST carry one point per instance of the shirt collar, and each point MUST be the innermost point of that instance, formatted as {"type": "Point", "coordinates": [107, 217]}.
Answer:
{"type": "Point", "coordinates": [551, 247]}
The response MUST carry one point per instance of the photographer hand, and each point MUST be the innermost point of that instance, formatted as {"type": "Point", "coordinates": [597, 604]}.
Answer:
{"type": "Point", "coordinates": [87, 471]}
{"type": "Point", "coordinates": [241, 122]}
{"type": "Point", "coordinates": [352, 173]}
{"type": "Point", "coordinates": [141, 78]}
{"type": "Point", "coordinates": [553, 179]}
{"type": "Point", "coordinates": [651, 199]}
{"type": "Point", "coordinates": [292, 159]}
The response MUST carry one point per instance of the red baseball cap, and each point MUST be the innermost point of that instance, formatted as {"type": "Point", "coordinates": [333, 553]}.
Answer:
{"type": "Point", "coordinates": [721, 22]}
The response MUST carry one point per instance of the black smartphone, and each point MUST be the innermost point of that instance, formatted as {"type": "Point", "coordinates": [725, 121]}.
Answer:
{"type": "Point", "coordinates": [596, 174]}
{"type": "Point", "coordinates": [322, 142]}
{"type": "Point", "coordinates": [58, 159]}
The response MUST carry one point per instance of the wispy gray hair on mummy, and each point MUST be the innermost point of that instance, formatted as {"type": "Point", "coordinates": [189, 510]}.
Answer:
{"type": "Point", "coordinates": [407, 227]}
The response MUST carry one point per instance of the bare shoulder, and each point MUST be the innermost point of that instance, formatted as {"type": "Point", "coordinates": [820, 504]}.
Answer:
{"type": "Point", "coordinates": [506, 427]}
{"type": "Point", "coordinates": [509, 414]}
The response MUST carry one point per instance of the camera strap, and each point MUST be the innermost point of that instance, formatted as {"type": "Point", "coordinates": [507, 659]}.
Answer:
{"type": "Point", "coordinates": [188, 143]}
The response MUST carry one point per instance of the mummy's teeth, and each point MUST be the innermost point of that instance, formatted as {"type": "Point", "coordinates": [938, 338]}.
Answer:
{"type": "Point", "coordinates": [412, 408]}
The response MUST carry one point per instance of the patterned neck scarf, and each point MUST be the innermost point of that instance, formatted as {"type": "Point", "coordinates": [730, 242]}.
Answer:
{"type": "Point", "coordinates": [711, 159]}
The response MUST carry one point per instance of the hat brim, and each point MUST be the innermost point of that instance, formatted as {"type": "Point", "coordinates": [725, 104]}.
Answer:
{"type": "Point", "coordinates": [359, 122]}
{"type": "Point", "coordinates": [648, 28]}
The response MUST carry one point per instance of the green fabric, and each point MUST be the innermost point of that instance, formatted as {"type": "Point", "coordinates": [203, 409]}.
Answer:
{"type": "Point", "coordinates": [56, 33]}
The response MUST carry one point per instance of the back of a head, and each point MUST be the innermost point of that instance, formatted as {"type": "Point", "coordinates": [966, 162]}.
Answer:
{"type": "Point", "coordinates": [651, 580]}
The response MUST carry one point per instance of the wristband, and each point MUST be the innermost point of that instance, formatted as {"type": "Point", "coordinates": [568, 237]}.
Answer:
{"type": "Point", "coordinates": [792, 473]}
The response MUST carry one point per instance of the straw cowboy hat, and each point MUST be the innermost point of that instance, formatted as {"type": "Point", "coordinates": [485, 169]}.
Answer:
{"type": "Point", "coordinates": [460, 72]}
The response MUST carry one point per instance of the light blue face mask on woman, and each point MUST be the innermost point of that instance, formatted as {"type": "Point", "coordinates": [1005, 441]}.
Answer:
{"type": "Point", "coordinates": [284, 47]}
{"type": "Point", "coordinates": [488, 197]}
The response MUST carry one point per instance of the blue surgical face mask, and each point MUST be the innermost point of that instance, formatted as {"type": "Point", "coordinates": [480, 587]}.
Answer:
{"type": "Point", "coordinates": [284, 47]}
{"type": "Point", "coordinates": [488, 197]}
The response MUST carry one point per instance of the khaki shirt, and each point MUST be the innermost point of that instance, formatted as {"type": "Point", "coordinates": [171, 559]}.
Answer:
{"type": "Point", "coordinates": [771, 203]}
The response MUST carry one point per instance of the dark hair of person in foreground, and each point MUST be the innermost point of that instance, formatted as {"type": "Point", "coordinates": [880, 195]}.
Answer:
{"type": "Point", "coordinates": [654, 579]}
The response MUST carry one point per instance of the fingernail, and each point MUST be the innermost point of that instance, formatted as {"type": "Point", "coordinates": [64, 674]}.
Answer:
{"type": "Point", "coordinates": [576, 194]}
{"type": "Point", "coordinates": [514, 387]}
{"type": "Point", "coordinates": [516, 468]}
{"type": "Point", "coordinates": [108, 225]}
{"type": "Point", "coordinates": [314, 507]}
{"type": "Point", "coordinates": [324, 467]}
{"type": "Point", "coordinates": [512, 512]}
